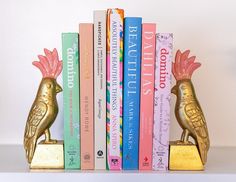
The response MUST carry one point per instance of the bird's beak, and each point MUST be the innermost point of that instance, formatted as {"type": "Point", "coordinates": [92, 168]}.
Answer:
{"type": "Point", "coordinates": [174, 90]}
{"type": "Point", "coordinates": [58, 88]}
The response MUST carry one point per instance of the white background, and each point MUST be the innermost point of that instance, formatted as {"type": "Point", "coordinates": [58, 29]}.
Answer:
{"type": "Point", "coordinates": [206, 27]}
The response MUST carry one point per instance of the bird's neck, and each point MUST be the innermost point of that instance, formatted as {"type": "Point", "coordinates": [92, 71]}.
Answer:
{"type": "Point", "coordinates": [45, 94]}
{"type": "Point", "coordinates": [186, 90]}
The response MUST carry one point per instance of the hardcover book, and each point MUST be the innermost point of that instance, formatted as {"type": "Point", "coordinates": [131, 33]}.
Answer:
{"type": "Point", "coordinates": [131, 102]}
{"type": "Point", "coordinates": [164, 46]}
{"type": "Point", "coordinates": [71, 100]}
{"type": "Point", "coordinates": [86, 95]}
{"type": "Point", "coordinates": [99, 18]}
{"type": "Point", "coordinates": [114, 87]}
{"type": "Point", "coordinates": [147, 95]}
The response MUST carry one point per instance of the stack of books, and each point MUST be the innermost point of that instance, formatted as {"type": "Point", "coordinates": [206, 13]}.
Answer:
{"type": "Point", "coordinates": [117, 83]}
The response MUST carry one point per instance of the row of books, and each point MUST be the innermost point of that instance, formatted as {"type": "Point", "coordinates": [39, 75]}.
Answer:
{"type": "Point", "coordinates": [116, 81]}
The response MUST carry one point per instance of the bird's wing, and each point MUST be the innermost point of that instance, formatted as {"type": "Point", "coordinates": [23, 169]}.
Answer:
{"type": "Point", "coordinates": [36, 114]}
{"type": "Point", "coordinates": [197, 120]}
{"type": "Point", "coordinates": [198, 123]}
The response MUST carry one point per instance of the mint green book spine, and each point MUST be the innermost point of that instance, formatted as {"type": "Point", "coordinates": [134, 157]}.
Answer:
{"type": "Point", "coordinates": [70, 55]}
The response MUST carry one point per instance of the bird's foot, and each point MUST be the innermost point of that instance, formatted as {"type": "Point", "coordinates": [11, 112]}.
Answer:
{"type": "Point", "coordinates": [51, 141]}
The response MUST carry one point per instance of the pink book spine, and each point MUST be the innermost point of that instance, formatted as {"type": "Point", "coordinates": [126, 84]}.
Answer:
{"type": "Point", "coordinates": [86, 95]}
{"type": "Point", "coordinates": [114, 87]}
{"type": "Point", "coordinates": [164, 48]}
{"type": "Point", "coordinates": [147, 95]}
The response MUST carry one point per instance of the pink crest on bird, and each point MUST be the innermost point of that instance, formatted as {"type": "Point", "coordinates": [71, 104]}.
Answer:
{"type": "Point", "coordinates": [184, 66]}
{"type": "Point", "coordinates": [49, 65]}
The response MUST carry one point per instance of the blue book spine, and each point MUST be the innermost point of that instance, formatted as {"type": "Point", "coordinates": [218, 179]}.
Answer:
{"type": "Point", "coordinates": [131, 94]}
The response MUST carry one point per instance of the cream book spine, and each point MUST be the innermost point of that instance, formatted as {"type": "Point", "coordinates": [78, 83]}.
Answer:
{"type": "Point", "coordinates": [99, 20]}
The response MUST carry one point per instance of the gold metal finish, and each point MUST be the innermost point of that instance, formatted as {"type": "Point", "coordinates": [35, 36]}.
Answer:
{"type": "Point", "coordinates": [185, 157]}
{"type": "Point", "coordinates": [48, 156]}
{"type": "Point", "coordinates": [189, 115]}
{"type": "Point", "coordinates": [42, 115]}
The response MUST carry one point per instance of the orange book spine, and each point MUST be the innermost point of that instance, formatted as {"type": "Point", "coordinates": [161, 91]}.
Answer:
{"type": "Point", "coordinates": [86, 95]}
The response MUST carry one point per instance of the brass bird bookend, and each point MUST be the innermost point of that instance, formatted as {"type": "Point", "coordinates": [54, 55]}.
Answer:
{"type": "Point", "coordinates": [185, 155]}
{"type": "Point", "coordinates": [48, 153]}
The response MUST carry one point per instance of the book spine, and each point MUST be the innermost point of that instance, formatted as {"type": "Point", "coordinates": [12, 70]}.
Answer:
{"type": "Point", "coordinates": [86, 95]}
{"type": "Point", "coordinates": [71, 100]}
{"type": "Point", "coordinates": [100, 89]}
{"type": "Point", "coordinates": [114, 87]}
{"type": "Point", "coordinates": [147, 96]}
{"type": "Point", "coordinates": [164, 47]}
{"type": "Point", "coordinates": [131, 102]}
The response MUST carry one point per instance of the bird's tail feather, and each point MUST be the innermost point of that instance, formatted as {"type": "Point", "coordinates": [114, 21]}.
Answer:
{"type": "Point", "coordinates": [29, 145]}
{"type": "Point", "coordinates": [203, 145]}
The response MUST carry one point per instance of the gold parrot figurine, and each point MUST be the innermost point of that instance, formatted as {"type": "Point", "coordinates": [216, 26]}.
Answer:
{"type": "Point", "coordinates": [44, 109]}
{"type": "Point", "coordinates": [188, 111]}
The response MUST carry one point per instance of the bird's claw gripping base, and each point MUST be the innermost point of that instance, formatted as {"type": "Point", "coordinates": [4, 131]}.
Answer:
{"type": "Point", "coordinates": [184, 155]}
{"type": "Point", "coordinates": [48, 139]}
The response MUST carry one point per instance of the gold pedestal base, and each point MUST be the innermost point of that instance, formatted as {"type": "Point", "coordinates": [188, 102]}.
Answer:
{"type": "Point", "coordinates": [48, 156]}
{"type": "Point", "coordinates": [185, 158]}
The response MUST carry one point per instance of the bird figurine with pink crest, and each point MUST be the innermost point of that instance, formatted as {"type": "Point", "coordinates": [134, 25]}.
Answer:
{"type": "Point", "coordinates": [45, 108]}
{"type": "Point", "coordinates": [188, 111]}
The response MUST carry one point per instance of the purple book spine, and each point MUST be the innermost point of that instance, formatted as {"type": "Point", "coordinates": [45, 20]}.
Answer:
{"type": "Point", "coordinates": [164, 46]}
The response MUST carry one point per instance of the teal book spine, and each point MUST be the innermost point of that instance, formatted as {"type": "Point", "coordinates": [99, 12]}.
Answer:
{"type": "Point", "coordinates": [70, 56]}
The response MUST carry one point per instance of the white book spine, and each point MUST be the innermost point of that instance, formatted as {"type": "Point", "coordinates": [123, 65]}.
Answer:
{"type": "Point", "coordinates": [100, 88]}
{"type": "Point", "coordinates": [164, 48]}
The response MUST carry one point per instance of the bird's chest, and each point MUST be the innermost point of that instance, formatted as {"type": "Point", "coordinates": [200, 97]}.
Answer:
{"type": "Point", "coordinates": [52, 109]}
{"type": "Point", "coordinates": [51, 103]}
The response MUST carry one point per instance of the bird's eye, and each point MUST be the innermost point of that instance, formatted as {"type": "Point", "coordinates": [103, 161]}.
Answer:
{"type": "Point", "coordinates": [49, 85]}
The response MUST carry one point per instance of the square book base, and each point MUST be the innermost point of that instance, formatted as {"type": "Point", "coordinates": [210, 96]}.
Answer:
{"type": "Point", "coordinates": [48, 156]}
{"type": "Point", "coordinates": [184, 158]}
